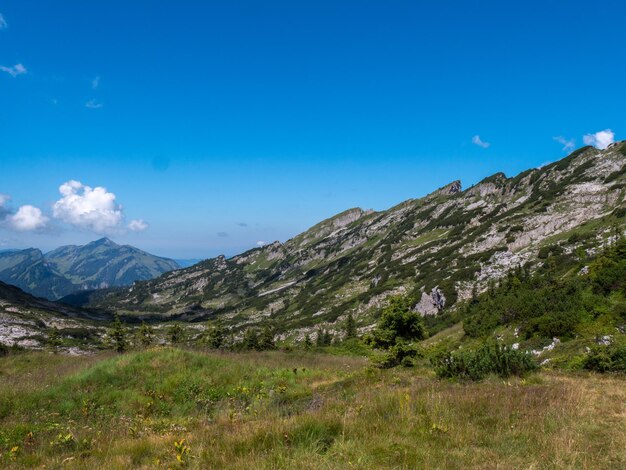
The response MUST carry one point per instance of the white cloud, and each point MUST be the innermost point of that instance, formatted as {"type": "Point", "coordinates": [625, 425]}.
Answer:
{"type": "Point", "coordinates": [93, 104]}
{"type": "Point", "coordinates": [601, 139]}
{"type": "Point", "coordinates": [95, 83]}
{"type": "Point", "coordinates": [3, 22]}
{"type": "Point", "coordinates": [476, 140]}
{"type": "Point", "coordinates": [28, 218]}
{"type": "Point", "coordinates": [568, 144]}
{"type": "Point", "coordinates": [80, 206]}
{"type": "Point", "coordinates": [88, 208]}
{"type": "Point", "coordinates": [261, 243]}
{"type": "Point", "coordinates": [17, 69]}
{"type": "Point", "coordinates": [137, 225]}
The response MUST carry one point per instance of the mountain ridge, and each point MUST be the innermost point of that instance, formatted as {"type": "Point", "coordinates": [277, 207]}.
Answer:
{"type": "Point", "coordinates": [70, 268]}
{"type": "Point", "coordinates": [435, 250]}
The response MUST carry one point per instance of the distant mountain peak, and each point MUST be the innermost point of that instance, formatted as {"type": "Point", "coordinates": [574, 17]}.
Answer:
{"type": "Point", "coordinates": [67, 269]}
{"type": "Point", "coordinates": [104, 241]}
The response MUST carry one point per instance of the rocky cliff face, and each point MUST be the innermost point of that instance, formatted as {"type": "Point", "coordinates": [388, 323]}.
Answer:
{"type": "Point", "coordinates": [431, 303]}
{"type": "Point", "coordinates": [436, 250]}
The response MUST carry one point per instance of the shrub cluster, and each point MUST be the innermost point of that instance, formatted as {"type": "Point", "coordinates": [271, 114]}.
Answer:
{"type": "Point", "coordinates": [396, 331]}
{"type": "Point", "coordinates": [397, 323]}
{"type": "Point", "coordinates": [490, 358]}
{"type": "Point", "coordinates": [610, 358]}
{"type": "Point", "coordinates": [259, 340]}
{"type": "Point", "coordinates": [548, 303]}
{"type": "Point", "coordinates": [400, 354]}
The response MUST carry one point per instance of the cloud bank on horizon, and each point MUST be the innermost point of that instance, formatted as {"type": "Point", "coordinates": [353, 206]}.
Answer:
{"type": "Point", "coordinates": [80, 206]}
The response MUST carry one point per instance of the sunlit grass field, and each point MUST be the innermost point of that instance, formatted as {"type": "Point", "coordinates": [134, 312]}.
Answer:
{"type": "Point", "coordinates": [171, 408]}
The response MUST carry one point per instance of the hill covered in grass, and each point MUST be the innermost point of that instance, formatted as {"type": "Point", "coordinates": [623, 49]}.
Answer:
{"type": "Point", "coordinates": [170, 408]}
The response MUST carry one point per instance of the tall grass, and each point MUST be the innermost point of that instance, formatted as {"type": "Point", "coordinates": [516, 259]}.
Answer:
{"type": "Point", "coordinates": [169, 408]}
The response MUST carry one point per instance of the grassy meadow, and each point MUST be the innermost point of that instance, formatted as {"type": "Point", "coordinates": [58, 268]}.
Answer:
{"type": "Point", "coordinates": [177, 408]}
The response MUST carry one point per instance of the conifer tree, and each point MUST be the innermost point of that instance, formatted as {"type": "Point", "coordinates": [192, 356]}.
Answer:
{"type": "Point", "coordinates": [327, 338]}
{"type": "Point", "coordinates": [319, 339]}
{"type": "Point", "coordinates": [119, 335]}
{"type": "Point", "coordinates": [54, 340]}
{"type": "Point", "coordinates": [266, 339]}
{"type": "Point", "coordinates": [474, 298]}
{"type": "Point", "coordinates": [250, 339]}
{"type": "Point", "coordinates": [176, 333]}
{"type": "Point", "coordinates": [398, 323]}
{"type": "Point", "coordinates": [145, 335]}
{"type": "Point", "coordinates": [215, 335]}
{"type": "Point", "coordinates": [230, 343]}
{"type": "Point", "coordinates": [350, 327]}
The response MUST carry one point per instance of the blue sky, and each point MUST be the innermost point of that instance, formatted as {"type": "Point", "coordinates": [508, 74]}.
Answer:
{"type": "Point", "coordinates": [217, 125]}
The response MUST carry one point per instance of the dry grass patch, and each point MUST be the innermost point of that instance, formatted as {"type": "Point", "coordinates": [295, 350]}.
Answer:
{"type": "Point", "coordinates": [308, 411]}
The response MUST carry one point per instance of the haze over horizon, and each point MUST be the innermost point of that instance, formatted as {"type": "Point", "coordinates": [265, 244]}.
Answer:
{"type": "Point", "coordinates": [197, 129]}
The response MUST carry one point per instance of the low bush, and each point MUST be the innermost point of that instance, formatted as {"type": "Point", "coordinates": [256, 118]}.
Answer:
{"type": "Point", "coordinates": [6, 350]}
{"type": "Point", "coordinates": [400, 354]}
{"type": "Point", "coordinates": [398, 323]}
{"type": "Point", "coordinates": [610, 358]}
{"type": "Point", "coordinates": [349, 347]}
{"type": "Point", "coordinates": [491, 358]}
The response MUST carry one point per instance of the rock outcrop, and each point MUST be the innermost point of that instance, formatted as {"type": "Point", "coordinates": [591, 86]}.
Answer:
{"type": "Point", "coordinates": [431, 304]}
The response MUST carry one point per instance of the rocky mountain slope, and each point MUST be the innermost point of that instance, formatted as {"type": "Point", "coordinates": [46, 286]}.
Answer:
{"type": "Point", "coordinates": [436, 250]}
{"type": "Point", "coordinates": [68, 269]}
{"type": "Point", "coordinates": [26, 321]}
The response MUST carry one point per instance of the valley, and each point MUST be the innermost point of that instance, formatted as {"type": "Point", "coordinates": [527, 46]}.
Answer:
{"type": "Point", "coordinates": [487, 324]}
{"type": "Point", "coordinates": [312, 235]}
